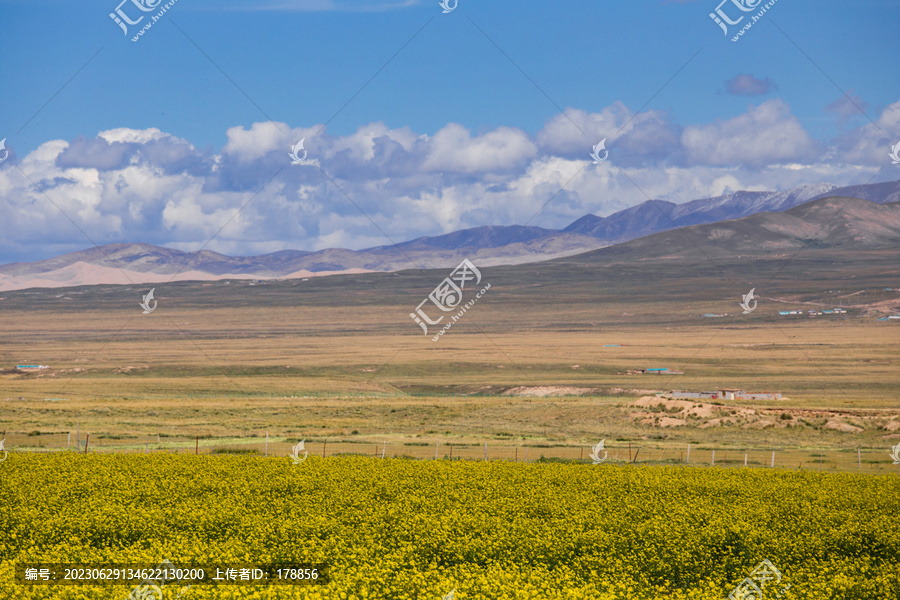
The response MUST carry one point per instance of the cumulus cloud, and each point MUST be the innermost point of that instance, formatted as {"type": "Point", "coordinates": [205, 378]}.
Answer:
{"type": "Point", "coordinates": [126, 185]}
{"type": "Point", "coordinates": [133, 136]}
{"type": "Point", "coordinates": [871, 143]}
{"type": "Point", "coordinates": [247, 145]}
{"type": "Point", "coordinates": [454, 149]}
{"type": "Point", "coordinates": [765, 134]}
{"type": "Point", "coordinates": [636, 140]}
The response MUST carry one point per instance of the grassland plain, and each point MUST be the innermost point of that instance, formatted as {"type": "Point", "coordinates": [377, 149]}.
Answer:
{"type": "Point", "coordinates": [252, 365]}
{"type": "Point", "coordinates": [400, 529]}
{"type": "Point", "coordinates": [335, 355]}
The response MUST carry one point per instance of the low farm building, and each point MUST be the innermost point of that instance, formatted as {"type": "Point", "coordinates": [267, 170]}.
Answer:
{"type": "Point", "coordinates": [726, 394]}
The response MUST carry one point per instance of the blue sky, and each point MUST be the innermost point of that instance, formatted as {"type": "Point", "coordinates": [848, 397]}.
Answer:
{"type": "Point", "coordinates": [462, 127]}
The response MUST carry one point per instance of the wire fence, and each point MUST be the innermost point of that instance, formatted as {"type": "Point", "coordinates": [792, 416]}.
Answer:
{"type": "Point", "coordinates": [868, 460]}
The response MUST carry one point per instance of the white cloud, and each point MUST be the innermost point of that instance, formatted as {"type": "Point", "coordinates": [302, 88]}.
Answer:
{"type": "Point", "coordinates": [765, 134]}
{"type": "Point", "coordinates": [871, 143]}
{"type": "Point", "coordinates": [569, 133]}
{"type": "Point", "coordinates": [254, 143]}
{"type": "Point", "coordinates": [360, 146]}
{"type": "Point", "coordinates": [632, 139]}
{"type": "Point", "coordinates": [454, 149]}
{"type": "Point", "coordinates": [129, 185]}
{"type": "Point", "coordinates": [132, 136]}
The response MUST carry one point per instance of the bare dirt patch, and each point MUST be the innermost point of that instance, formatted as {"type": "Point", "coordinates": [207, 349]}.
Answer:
{"type": "Point", "coordinates": [681, 407]}
{"type": "Point", "coordinates": [660, 411]}
{"type": "Point", "coordinates": [549, 390]}
{"type": "Point", "coordinates": [841, 426]}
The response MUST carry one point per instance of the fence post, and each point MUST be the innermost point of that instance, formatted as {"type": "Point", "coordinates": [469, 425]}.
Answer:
{"type": "Point", "coordinates": [324, 445]}
{"type": "Point", "coordinates": [267, 443]}
{"type": "Point", "coordinates": [383, 447]}
{"type": "Point", "coordinates": [629, 451]}
{"type": "Point", "coordinates": [713, 457]}
{"type": "Point", "coordinates": [77, 439]}
{"type": "Point", "coordinates": [485, 452]}
{"type": "Point", "coordinates": [451, 451]}
{"type": "Point", "coordinates": [688, 459]}
{"type": "Point", "coordinates": [745, 459]}
{"type": "Point", "coordinates": [858, 458]}
{"type": "Point", "coordinates": [517, 454]}
{"type": "Point", "coordinates": [87, 439]}
{"type": "Point", "coordinates": [435, 450]}
{"type": "Point", "coordinates": [197, 446]}
{"type": "Point", "coordinates": [526, 454]}
{"type": "Point", "coordinates": [69, 440]}
{"type": "Point", "coordinates": [773, 459]}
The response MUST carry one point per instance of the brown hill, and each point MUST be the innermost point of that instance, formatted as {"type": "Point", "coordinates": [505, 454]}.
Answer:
{"type": "Point", "coordinates": [831, 223]}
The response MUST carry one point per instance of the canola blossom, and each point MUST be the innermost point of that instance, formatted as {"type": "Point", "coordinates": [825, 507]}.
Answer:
{"type": "Point", "coordinates": [402, 529]}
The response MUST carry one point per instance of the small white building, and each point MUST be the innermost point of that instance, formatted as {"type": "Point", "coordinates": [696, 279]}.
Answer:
{"type": "Point", "coordinates": [726, 394]}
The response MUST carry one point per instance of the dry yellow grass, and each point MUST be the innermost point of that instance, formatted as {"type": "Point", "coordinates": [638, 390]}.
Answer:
{"type": "Point", "coordinates": [223, 369]}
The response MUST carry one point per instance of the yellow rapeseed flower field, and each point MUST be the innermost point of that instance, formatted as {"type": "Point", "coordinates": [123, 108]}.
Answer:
{"type": "Point", "coordinates": [403, 530]}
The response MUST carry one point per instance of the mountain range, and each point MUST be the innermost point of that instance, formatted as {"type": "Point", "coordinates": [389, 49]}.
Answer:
{"type": "Point", "coordinates": [826, 226]}
{"type": "Point", "coordinates": [138, 263]}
